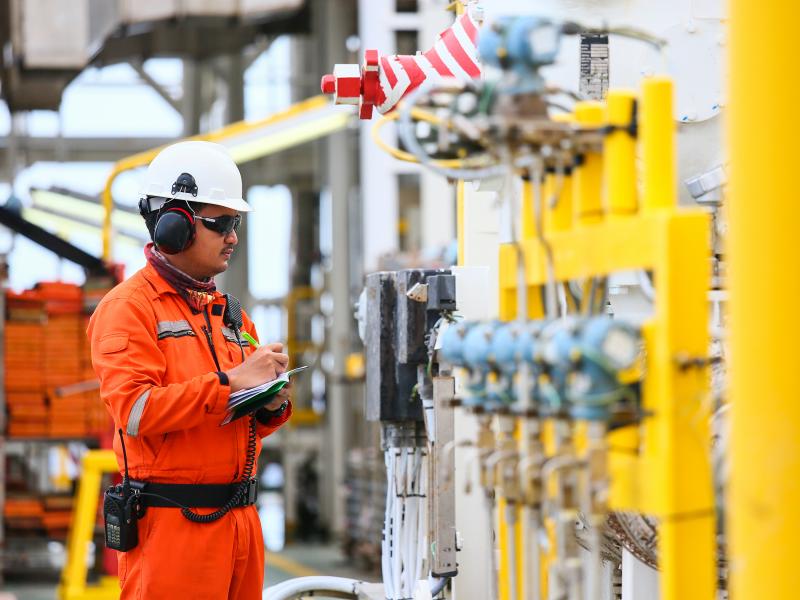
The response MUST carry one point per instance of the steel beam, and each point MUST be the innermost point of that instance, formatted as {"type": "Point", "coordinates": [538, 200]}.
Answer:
{"type": "Point", "coordinates": [175, 103]}
{"type": "Point", "coordinates": [31, 149]}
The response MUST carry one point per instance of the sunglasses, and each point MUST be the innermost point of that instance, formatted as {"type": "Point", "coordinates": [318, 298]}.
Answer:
{"type": "Point", "coordinates": [223, 225]}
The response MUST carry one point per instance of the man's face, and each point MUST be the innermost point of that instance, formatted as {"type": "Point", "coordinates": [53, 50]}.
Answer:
{"type": "Point", "coordinates": [210, 252]}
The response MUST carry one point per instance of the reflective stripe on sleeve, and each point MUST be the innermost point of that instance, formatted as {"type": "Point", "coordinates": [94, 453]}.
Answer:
{"type": "Point", "coordinates": [136, 414]}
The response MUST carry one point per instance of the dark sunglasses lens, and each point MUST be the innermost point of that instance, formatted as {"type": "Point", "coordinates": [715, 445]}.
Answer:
{"type": "Point", "coordinates": [224, 224]}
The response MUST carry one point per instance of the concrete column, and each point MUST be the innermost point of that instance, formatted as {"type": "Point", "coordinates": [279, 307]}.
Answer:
{"type": "Point", "coordinates": [477, 291]}
{"type": "Point", "coordinates": [338, 20]}
{"type": "Point", "coordinates": [191, 100]}
{"type": "Point", "coordinates": [233, 67]}
{"type": "Point", "coordinates": [235, 280]}
{"type": "Point", "coordinates": [378, 169]}
{"type": "Point", "coordinates": [437, 196]}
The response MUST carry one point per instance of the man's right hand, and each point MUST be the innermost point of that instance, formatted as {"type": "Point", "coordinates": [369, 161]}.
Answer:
{"type": "Point", "coordinates": [265, 364]}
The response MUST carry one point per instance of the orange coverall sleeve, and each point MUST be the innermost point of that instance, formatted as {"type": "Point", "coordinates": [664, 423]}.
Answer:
{"type": "Point", "coordinates": [131, 368]}
{"type": "Point", "coordinates": [263, 430]}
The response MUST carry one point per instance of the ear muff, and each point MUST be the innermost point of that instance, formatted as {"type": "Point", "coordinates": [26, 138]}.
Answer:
{"type": "Point", "coordinates": [174, 230]}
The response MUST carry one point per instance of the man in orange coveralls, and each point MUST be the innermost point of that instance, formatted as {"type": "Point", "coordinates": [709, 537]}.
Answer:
{"type": "Point", "coordinates": [167, 348]}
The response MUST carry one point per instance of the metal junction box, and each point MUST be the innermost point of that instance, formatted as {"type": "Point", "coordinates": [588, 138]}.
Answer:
{"type": "Point", "coordinates": [402, 307]}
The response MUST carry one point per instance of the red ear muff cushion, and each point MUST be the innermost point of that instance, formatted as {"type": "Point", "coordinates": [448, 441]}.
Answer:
{"type": "Point", "coordinates": [174, 231]}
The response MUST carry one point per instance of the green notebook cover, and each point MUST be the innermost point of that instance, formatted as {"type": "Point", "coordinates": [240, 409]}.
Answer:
{"type": "Point", "coordinates": [244, 402]}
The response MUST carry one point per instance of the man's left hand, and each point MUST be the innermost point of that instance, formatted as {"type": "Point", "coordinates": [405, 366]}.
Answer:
{"type": "Point", "coordinates": [280, 397]}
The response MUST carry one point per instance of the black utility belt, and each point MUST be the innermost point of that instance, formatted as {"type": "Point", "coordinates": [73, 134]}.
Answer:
{"type": "Point", "coordinates": [194, 495]}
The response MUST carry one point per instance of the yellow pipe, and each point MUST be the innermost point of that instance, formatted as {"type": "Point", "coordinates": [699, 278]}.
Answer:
{"type": "Point", "coordinates": [559, 217]}
{"type": "Point", "coordinates": [588, 177]}
{"type": "Point", "coordinates": [619, 166]}
{"type": "Point", "coordinates": [548, 190]}
{"type": "Point", "coordinates": [528, 216]}
{"type": "Point", "coordinates": [293, 298]}
{"type": "Point", "coordinates": [659, 186]}
{"type": "Point", "coordinates": [73, 577]}
{"type": "Point", "coordinates": [558, 188]}
{"type": "Point", "coordinates": [503, 591]}
{"type": "Point", "coordinates": [419, 115]}
{"type": "Point", "coordinates": [143, 158]}
{"type": "Point", "coordinates": [763, 129]}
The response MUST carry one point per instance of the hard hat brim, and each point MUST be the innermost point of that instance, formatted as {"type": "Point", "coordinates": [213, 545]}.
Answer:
{"type": "Point", "coordinates": [234, 203]}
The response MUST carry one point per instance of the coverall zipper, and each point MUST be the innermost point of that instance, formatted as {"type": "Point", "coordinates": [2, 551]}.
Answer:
{"type": "Point", "coordinates": [207, 331]}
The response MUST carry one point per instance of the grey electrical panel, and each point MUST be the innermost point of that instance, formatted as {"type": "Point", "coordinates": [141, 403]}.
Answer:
{"type": "Point", "coordinates": [397, 327]}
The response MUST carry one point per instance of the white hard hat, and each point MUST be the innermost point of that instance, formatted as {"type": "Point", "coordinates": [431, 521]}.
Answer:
{"type": "Point", "coordinates": [216, 177]}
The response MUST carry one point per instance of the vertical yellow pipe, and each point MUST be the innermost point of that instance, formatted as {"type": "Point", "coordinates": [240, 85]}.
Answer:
{"type": "Point", "coordinates": [559, 217]}
{"type": "Point", "coordinates": [548, 189]}
{"type": "Point", "coordinates": [93, 465]}
{"type": "Point", "coordinates": [528, 216]}
{"type": "Point", "coordinates": [588, 177]}
{"type": "Point", "coordinates": [657, 128]}
{"type": "Point", "coordinates": [503, 591]}
{"type": "Point", "coordinates": [764, 129]}
{"type": "Point", "coordinates": [619, 166]}
{"type": "Point", "coordinates": [108, 206]}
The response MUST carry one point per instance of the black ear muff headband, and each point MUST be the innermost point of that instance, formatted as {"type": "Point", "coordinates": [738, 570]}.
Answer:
{"type": "Point", "coordinates": [174, 229]}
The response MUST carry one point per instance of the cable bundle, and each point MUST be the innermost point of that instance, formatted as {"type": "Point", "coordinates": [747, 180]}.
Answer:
{"type": "Point", "coordinates": [405, 526]}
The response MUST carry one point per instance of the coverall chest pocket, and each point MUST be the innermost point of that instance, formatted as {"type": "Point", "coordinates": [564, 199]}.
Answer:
{"type": "Point", "coordinates": [236, 346]}
{"type": "Point", "coordinates": [179, 344]}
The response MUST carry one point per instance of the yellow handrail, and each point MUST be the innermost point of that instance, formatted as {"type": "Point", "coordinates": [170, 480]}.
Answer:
{"type": "Point", "coordinates": [73, 578]}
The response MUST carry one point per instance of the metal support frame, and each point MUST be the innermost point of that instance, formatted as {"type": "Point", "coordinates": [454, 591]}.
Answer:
{"type": "Point", "coordinates": [442, 513]}
{"type": "Point", "coordinates": [668, 472]}
{"type": "Point", "coordinates": [175, 103]}
{"type": "Point", "coordinates": [73, 578]}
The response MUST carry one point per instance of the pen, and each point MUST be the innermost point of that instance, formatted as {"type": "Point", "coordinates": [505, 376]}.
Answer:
{"type": "Point", "coordinates": [250, 339]}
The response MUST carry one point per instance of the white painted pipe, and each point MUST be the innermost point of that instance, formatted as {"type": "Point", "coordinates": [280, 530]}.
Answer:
{"type": "Point", "coordinates": [292, 588]}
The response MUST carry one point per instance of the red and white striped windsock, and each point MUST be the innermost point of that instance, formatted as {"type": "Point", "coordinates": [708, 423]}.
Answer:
{"type": "Point", "coordinates": [382, 81]}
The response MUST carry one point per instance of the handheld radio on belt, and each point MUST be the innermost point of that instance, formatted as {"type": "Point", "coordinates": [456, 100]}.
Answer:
{"type": "Point", "coordinates": [122, 509]}
{"type": "Point", "coordinates": [124, 503]}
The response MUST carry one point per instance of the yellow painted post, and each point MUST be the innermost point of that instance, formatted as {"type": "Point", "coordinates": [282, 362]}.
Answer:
{"type": "Point", "coordinates": [619, 165]}
{"type": "Point", "coordinates": [73, 577]}
{"type": "Point", "coordinates": [676, 468]}
{"type": "Point", "coordinates": [588, 177]}
{"type": "Point", "coordinates": [623, 447]}
{"type": "Point", "coordinates": [657, 129]}
{"type": "Point", "coordinates": [764, 129]}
